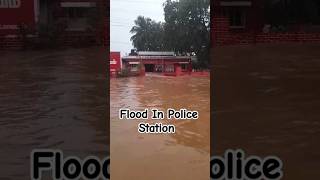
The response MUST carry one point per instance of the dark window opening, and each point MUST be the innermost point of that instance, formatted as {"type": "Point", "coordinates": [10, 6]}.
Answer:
{"type": "Point", "coordinates": [149, 67]}
{"type": "Point", "coordinates": [237, 17]}
{"type": "Point", "coordinates": [184, 67]}
{"type": "Point", "coordinates": [76, 12]}
{"type": "Point", "coordinates": [80, 18]}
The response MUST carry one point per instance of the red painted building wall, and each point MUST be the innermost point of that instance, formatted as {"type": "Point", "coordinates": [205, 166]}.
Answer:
{"type": "Point", "coordinates": [15, 13]}
{"type": "Point", "coordinates": [254, 19]}
{"type": "Point", "coordinates": [115, 64]}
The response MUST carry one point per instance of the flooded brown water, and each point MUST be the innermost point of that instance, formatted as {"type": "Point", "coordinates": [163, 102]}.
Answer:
{"type": "Point", "coordinates": [183, 155]}
{"type": "Point", "coordinates": [267, 101]}
{"type": "Point", "coordinates": [51, 99]}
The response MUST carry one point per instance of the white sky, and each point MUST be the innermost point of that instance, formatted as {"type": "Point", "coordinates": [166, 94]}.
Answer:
{"type": "Point", "coordinates": [122, 16]}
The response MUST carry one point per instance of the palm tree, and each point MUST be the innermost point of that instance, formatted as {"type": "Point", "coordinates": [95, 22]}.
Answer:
{"type": "Point", "coordinates": [147, 34]}
{"type": "Point", "coordinates": [140, 31]}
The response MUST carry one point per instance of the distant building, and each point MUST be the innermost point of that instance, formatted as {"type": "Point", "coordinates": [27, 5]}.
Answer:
{"type": "Point", "coordinates": [166, 63]}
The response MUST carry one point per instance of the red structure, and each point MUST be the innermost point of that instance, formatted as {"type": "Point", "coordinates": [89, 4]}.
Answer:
{"type": "Point", "coordinates": [15, 12]}
{"type": "Point", "coordinates": [13, 15]}
{"type": "Point", "coordinates": [115, 63]}
{"type": "Point", "coordinates": [242, 15]}
{"type": "Point", "coordinates": [158, 62]}
{"type": "Point", "coordinates": [243, 22]}
{"type": "Point", "coordinates": [78, 19]}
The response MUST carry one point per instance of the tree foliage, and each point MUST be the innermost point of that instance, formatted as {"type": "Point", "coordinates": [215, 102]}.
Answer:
{"type": "Point", "coordinates": [147, 35]}
{"type": "Point", "coordinates": [185, 30]}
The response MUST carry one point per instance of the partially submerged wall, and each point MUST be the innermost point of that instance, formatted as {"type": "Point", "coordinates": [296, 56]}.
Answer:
{"type": "Point", "coordinates": [223, 35]}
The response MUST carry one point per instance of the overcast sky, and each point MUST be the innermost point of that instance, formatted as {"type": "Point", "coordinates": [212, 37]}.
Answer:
{"type": "Point", "coordinates": [122, 16]}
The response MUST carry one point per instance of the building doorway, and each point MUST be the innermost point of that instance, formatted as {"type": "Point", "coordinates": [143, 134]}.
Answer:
{"type": "Point", "coordinates": [149, 67]}
{"type": "Point", "coordinates": [43, 17]}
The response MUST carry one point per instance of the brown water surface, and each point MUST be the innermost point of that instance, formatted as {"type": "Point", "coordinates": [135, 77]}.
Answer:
{"type": "Point", "coordinates": [51, 99]}
{"type": "Point", "coordinates": [267, 102]}
{"type": "Point", "coordinates": [183, 155]}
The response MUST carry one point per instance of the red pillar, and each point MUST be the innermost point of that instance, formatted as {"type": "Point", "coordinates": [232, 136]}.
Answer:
{"type": "Point", "coordinates": [142, 70]}
{"type": "Point", "coordinates": [177, 69]}
{"type": "Point", "coordinates": [190, 68]}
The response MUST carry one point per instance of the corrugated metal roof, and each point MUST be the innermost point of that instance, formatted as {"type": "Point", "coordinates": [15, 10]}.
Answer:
{"type": "Point", "coordinates": [156, 57]}
{"type": "Point", "coordinates": [155, 53]}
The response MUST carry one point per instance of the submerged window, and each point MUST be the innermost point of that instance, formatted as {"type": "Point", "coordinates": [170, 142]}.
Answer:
{"type": "Point", "coordinates": [79, 17]}
{"type": "Point", "coordinates": [184, 67]}
{"type": "Point", "coordinates": [10, 3]}
{"type": "Point", "coordinates": [237, 17]}
{"type": "Point", "coordinates": [76, 12]}
{"type": "Point", "coordinates": [169, 68]}
{"type": "Point", "coordinates": [134, 67]}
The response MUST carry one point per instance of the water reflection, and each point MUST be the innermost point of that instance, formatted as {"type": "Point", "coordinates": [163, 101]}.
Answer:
{"type": "Point", "coordinates": [51, 99]}
{"type": "Point", "coordinates": [188, 149]}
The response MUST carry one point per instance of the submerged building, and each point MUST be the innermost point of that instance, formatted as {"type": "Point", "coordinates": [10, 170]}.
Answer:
{"type": "Point", "coordinates": [71, 21]}
{"type": "Point", "coordinates": [166, 63]}
{"type": "Point", "coordinates": [242, 16]}
{"type": "Point", "coordinates": [258, 21]}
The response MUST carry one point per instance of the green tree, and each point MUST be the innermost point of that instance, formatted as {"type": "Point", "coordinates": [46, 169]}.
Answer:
{"type": "Point", "coordinates": [147, 35]}
{"type": "Point", "coordinates": [186, 27]}
{"type": "Point", "coordinates": [185, 30]}
{"type": "Point", "coordinates": [172, 37]}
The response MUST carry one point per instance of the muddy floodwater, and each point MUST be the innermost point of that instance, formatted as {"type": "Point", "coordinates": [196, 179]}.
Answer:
{"type": "Point", "coordinates": [51, 99]}
{"type": "Point", "coordinates": [267, 101]}
{"type": "Point", "coordinates": [183, 155]}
